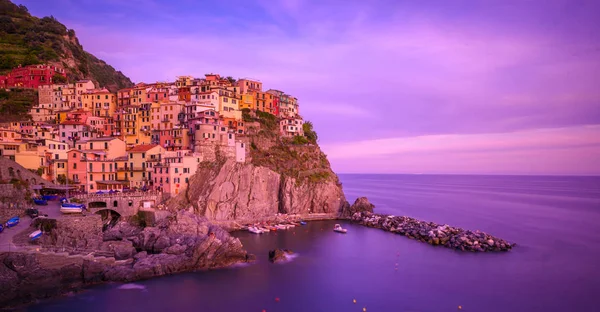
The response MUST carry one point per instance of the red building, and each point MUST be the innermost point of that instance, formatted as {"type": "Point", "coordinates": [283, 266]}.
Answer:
{"type": "Point", "coordinates": [31, 76]}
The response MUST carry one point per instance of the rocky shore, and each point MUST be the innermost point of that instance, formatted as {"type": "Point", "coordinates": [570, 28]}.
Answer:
{"type": "Point", "coordinates": [428, 232]}
{"type": "Point", "coordinates": [76, 253]}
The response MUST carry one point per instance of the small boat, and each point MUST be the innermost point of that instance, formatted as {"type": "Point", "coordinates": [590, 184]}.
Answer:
{"type": "Point", "coordinates": [338, 228]}
{"type": "Point", "coordinates": [271, 228]}
{"type": "Point", "coordinates": [12, 222]}
{"type": "Point", "coordinates": [71, 208]}
{"type": "Point", "coordinates": [1, 228]}
{"type": "Point", "coordinates": [255, 230]}
{"type": "Point", "coordinates": [35, 235]}
{"type": "Point", "coordinates": [303, 222]}
{"type": "Point", "coordinates": [40, 201]}
{"type": "Point", "coordinates": [264, 229]}
{"type": "Point", "coordinates": [281, 227]}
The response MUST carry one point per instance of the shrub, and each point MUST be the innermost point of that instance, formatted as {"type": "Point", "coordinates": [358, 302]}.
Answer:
{"type": "Point", "coordinates": [59, 79]}
{"type": "Point", "coordinates": [299, 140]}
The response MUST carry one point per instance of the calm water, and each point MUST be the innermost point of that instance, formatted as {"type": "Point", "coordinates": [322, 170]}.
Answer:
{"type": "Point", "coordinates": [555, 267]}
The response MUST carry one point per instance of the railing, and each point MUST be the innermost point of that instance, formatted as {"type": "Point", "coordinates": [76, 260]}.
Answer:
{"type": "Point", "coordinates": [120, 194]}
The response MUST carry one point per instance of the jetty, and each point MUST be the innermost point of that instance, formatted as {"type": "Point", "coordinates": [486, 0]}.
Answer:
{"type": "Point", "coordinates": [433, 233]}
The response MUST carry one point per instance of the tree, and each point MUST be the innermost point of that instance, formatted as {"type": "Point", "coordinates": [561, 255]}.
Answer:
{"type": "Point", "coordinates": [58, 79]}
{"type": "Point", "coordinates": [231, 80]}
{"type": "Point", "coordinates": [310, 134]}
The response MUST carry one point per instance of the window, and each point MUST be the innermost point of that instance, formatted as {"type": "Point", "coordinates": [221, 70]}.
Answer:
{"type": "Point", "coordinates": [131, 174]}
{"type": "Point", "coordinates": [143, 155]}
{"type": "Point", "coordinates": [130, 155]}
{"type": "Point", "coordinates": [115, 203]}
{"type": "Point", "coordinates": [74, 166]}
{"type": "Point", "coordinates": [74, 155]}
{"type": "Point", "coordinates": [176, 170]}
{"type": "Point", "coordinates": [91, 177]}
{"type": "Point", "coordinates": [91, 167]}
{"type": "Point", "coordinates": [105, 145]}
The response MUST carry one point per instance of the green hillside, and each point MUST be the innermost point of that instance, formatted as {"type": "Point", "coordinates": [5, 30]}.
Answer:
{"type": "Point", "coordinates": [26, 39]}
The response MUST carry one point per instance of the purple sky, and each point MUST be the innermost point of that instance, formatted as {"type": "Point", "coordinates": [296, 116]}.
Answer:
{"type": "Point", "coordinates": [503, 87]}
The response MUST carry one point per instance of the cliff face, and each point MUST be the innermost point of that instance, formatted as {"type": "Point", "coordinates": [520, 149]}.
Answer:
{"type": "Point", "coordinates": [245, 192]}
{"type": "Point", "coordinates": [280, 175]}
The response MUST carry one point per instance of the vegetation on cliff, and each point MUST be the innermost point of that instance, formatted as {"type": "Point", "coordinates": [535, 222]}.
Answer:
{"type": "Point", "coordinates": [298, 157]}
{"type": "Point", "coordinates": [27, 40]}
{"type": "Point", "coordinates": [15, 104]}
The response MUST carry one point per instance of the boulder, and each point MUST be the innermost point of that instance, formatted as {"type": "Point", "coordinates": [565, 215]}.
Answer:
{"type": "Point", "coordinates": [278, 255]}
{"type": "Point", "coordinates": [361, 206]}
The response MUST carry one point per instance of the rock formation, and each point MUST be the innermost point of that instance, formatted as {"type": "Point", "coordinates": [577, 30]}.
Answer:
{"type": "Point", "coordinates": [246, 192]}
{"type": "Point", "coordinates": [279, 255]}
{"type": "Point", "coordinates": [433, 233]}
{"type": "Point", "coordinates": [361, 204]}
{"type": "Point", "coordinates": [127, 252]}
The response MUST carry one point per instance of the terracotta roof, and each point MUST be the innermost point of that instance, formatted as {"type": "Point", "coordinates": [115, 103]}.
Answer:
{"type": "Point", "coordinates": [142, 148]}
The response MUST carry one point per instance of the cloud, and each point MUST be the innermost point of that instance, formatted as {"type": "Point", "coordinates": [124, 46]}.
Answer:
{"type": "Point", "coordinates": [538, 139]}
{"type": "Point", "coordinates": [554, 150]}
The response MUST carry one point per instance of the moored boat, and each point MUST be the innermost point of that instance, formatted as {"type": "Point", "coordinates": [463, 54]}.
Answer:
{"type": "Point", "coordinates": [40, 201]}
{"type": "Point", "coordinates": [264, 229]}
{"type": "Point", "coordinates": [35, 235]}
{"type": "Point", "coordinates": [71, 208]}
{"type": "Point", "coordinates": [303, 222]}
{"type": "Point", "coordinates": [255, 230]}
{"type": "Point", "coordinates": [12, 222]}
{"type": "Point", "coordinates": [1, 228]}
{"type": "Point", "coordinates": [338, 228]}
{"type": "Point", "coordinates": [281, 227]}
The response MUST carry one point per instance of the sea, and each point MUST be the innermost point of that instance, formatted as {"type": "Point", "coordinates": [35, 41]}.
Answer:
{"type": "Point", "coordinates": [555, 266]}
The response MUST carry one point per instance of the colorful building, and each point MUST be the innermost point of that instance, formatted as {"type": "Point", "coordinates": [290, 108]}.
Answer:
{"type": "Point", "coordinates": [139, 166]}
{"type": "Point", "coordinates": [31, 76]}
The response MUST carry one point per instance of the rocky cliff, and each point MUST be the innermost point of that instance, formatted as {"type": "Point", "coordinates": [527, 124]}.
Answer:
{"type": "Point", "coordinates": [280, 176]}
{"type": "Point", "coordinates": [231, 191]}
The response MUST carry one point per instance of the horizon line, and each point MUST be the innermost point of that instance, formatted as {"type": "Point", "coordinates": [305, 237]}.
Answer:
{"type": "Point", "coordinates": [479, 174]}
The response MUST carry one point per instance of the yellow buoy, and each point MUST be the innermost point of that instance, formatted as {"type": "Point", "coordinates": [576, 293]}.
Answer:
{"type": "Point", "coordinates": [353, 300]}
{"type": "Point", "coordinates": [460, 307]}
{"type": "Point", "coordinates": [364, 309]}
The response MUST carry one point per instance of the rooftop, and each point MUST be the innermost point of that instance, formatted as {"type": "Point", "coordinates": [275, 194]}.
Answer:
{"type": "Point", "coordinates": [142, 148]}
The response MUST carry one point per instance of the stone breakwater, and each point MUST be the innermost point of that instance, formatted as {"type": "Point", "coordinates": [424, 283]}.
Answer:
{"type": "Point", "coordinates": [433, 233]}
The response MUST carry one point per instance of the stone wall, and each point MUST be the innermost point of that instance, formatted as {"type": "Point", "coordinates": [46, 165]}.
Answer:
{"type": "Point", "coordinates": [13, 201]}
{"type": "Point", "coordinates": [12, 170]}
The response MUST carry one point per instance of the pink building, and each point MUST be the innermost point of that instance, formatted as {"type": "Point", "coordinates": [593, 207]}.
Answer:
{"type": "Point", "coordinates": [77, 169]}
{"type": "Point", "coordinates": [172, 174]}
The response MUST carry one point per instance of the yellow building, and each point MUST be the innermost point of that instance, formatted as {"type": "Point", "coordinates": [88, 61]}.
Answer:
{"type": "Point", "coordinates": [248, 101]}
{"type": "Point", "coordinates": [145, 127]}
{"type": "Point", "coordinates": [29, 156]}
{"type": "Point", "coordinates": [62, 116]}
{"type": "Point", "coordinates": [139, 164]}
{"type": "Point", "coordinates": [229, 104]}
{"type": "Point", "coordinates": [104, 103]}
{"type": "Point", "coordinates": [139, 95]}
